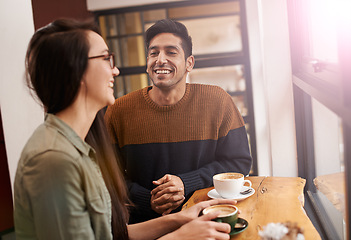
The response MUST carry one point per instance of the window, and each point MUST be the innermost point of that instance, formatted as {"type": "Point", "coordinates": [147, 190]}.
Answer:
{"type": "Point", "coordinates": [321, 79]}
{"type": "Point", "coordinates": [220, 47]}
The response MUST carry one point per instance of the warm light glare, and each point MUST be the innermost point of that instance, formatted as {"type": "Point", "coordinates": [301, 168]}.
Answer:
{"type": "Point", "coordinates": [328, 17]}
{"type": "Point", "coordinates": [335, 10]}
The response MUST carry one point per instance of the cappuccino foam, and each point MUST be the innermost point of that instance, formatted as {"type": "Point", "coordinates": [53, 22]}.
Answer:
{"type": "Point", "coordinates": [224, 210]}
{"type": "Point", "coordinates": [225, 176]}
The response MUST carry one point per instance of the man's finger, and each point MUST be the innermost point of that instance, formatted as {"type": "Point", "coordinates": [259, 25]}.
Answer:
{"type": "Point", "coordinates": [173, 181]}
{"type": "Point", "coordinates": [161, 187]}
{"type": "Point", "coordinates": [166, 185]}
{"type": "Point", "coordinates": [168, 198]}
{"type": "Point", "coordinates": [168, 190]}
{"type": "Point", "coordinates": [162, 180]}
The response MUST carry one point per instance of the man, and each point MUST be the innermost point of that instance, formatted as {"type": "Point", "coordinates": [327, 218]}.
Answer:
{"type": "Point", "coordinates": [174, 136]}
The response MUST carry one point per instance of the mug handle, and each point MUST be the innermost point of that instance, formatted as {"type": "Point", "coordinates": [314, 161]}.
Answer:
{"type": "Point", "coordinates": [247, 181]}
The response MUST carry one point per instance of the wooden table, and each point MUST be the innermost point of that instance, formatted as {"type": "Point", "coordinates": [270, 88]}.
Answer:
{"type": "Point", "coordinates": [277, 199]}
{"type": "Point", "coordinates": [333, 187]}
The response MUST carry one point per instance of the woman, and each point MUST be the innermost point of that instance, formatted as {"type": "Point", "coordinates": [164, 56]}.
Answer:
{"type": "Point", "coordinates": [68, 184]}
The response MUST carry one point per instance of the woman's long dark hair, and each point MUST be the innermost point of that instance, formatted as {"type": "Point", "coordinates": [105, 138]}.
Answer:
{"type": "Point", "coordinates": [99, 139]}
{"type": "Point", "coordinates": [56, 60]}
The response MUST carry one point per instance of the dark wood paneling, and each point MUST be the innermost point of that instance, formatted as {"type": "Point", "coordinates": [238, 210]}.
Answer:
{"type": "Point", "coordinates": [45, 11]}
{"type": "Point", "coordinates": [6, 209]}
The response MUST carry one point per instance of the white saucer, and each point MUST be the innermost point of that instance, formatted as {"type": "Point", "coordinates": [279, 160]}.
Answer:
{"type": "Point", "coordinates": [214, 194]}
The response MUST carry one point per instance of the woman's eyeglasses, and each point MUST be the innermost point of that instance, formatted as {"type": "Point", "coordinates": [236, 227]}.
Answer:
{"type": "Point", "coordinates": [109, 57]}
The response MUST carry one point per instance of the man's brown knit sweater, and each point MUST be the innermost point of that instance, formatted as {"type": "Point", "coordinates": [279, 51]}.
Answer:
{"type": "Point", "coordinates": [203, 134]}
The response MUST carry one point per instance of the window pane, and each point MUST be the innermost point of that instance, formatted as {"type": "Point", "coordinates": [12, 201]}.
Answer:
{"type": "Point", "coordinates": [127, 84]}
{"type": "Point", "coordinates": [114, 46]}
{"type": "Point", "coordinates": [328, 140]}
{"type": "Point", "coordinates": [205, 9]}
{"type": "Point", "coordinates": [130, 51]}
{"type": "Point", "coordinates": [121, 24]}
{"type": "Point", "coordinates": [230, 78]}
{"type": "Point", "coordinates": [215, 34]}
{"type": "Point", "coordinates": [323, 45]}
{"type": "Point", "coordinates": [326, 19]}
{"type": "Point", "coordinates": [247, 126]}
{"type": "Point", "coordinates": [154, 15]}
{"type": "Point", "coordinates": [103, 26]}
{"type": "Point", "coordinates": [130, 23]}
{"type": "Point", "coordinates": [111, 25]}
{"type": "Point", "coordinates": [121, 87]}
{"type": "Point", "coordinates": [241, 103]}
{"type": "Point", "coordinates": [329, 163]}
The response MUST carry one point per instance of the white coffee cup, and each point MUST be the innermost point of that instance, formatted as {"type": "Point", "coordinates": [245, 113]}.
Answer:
{"type": "Point", "coordinates": [230, 184]}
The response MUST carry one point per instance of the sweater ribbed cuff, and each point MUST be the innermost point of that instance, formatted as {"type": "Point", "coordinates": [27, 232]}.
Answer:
{"type": "Point", "coordinates": [191, 181]}
{"type": "Point", "coordinates": [141, 197]}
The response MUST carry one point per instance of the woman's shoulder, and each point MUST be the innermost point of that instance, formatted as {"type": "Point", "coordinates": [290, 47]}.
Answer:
{"type": "Point", "coordinates": [46, 142]}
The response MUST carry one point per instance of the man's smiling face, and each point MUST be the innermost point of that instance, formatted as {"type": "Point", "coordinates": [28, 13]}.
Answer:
{"type": "Point", "coordinates": [166, 63]}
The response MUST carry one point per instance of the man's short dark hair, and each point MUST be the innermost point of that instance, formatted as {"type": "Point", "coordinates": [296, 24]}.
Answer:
{"type": "Point", "coordinates": [171, 26]}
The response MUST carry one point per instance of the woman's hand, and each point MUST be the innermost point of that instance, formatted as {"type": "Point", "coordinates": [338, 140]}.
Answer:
{"type": "Point", "coordinates": [185, 224]}
{"type": "Point", "coordinates": [194, 211]}
{"type": "Point", "coordinates": [202, 228]}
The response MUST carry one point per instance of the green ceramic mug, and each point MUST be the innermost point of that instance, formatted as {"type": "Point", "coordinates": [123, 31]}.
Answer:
{"type": "Point", "coordinates": [228, 214]}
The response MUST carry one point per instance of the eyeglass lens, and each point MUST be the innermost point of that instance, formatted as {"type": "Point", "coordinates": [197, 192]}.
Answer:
{"type": "Point", "coordinates": [112, 61]}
